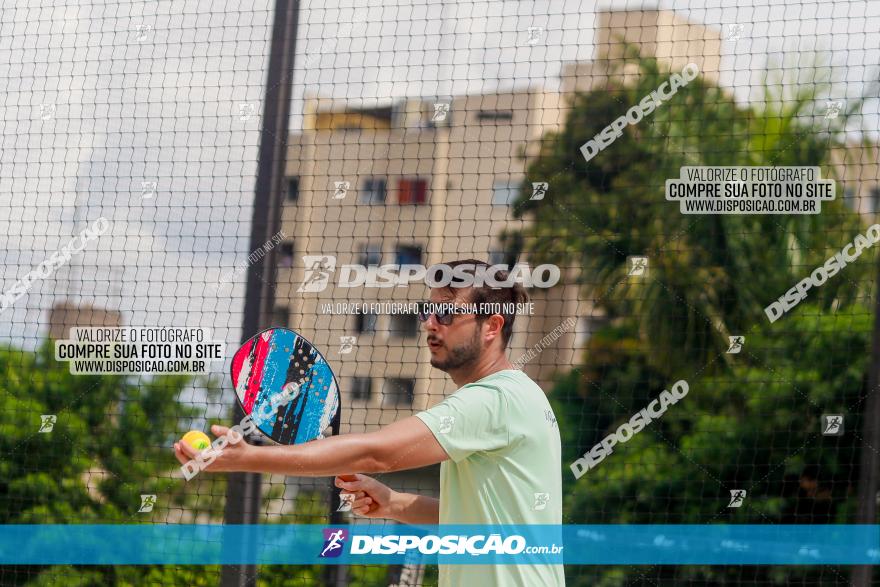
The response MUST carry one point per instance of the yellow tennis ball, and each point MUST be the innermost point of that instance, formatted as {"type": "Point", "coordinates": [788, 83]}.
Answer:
{"type": "Point", "coordinates": [197, 439]}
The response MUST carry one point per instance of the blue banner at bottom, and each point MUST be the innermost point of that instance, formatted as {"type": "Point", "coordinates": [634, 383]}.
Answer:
{"type": "Point", "coordinates": [445, 544]}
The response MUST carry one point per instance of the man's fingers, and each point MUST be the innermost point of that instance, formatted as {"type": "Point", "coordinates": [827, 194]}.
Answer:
{"type": "Point", "coordinates": [218, 430]}
{"type": "Point", "coordinates": [364, 508]}
{"type": "Point", "coordinates": [187, 450]}
{"type": "Point", "coordinates": [361, 503]}
{"type": "Point", "coordinates": [180, 454]}
{"type": "Point", "coordinates": [345, 482]}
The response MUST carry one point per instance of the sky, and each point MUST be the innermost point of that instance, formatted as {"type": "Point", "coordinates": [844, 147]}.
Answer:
{"type": "Point", "coordinates": [102, 99]}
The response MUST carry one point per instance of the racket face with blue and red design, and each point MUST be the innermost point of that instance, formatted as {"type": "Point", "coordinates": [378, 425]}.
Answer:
{"type": "Point", "coordinates": [279, 363]}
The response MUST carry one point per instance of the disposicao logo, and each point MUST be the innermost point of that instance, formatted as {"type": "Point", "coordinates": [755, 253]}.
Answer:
{"type": "Point", "coordinates": [319, 268]}
{"type": "Point", "coordinates": [334, 542]}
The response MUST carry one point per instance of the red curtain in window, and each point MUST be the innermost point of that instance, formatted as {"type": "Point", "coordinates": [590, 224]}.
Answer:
{"type": "Point", "coordinates": [412, 191]}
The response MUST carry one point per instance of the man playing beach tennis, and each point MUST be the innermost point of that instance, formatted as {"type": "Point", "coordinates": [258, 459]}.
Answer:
{"type": "Point", "coordinates": [495, 437]}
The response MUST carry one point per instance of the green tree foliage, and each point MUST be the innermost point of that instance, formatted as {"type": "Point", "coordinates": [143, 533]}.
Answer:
{"type": "Point", "coordinates": [109, 445]}
{"type": "Point", "coordinates": [710, 275]}
{"type": "Point", "coordinates": [751, 420]}
{"type": "Point", "coordinates": [755, 428]}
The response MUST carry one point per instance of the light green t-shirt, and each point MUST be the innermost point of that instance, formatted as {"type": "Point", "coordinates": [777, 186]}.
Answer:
{"type": "Point", "coordinates": [504, 467]}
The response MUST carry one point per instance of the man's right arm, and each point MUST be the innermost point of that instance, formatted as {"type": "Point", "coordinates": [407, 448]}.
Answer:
{"type": "Point", "coordinates": [373, 499]}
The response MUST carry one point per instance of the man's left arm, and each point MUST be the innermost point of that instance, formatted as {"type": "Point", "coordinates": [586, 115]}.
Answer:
{"type": "Point", "coordinates": [407, 444]}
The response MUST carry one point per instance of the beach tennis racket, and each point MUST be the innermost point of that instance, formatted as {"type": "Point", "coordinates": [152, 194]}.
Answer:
{"type": "Point", "coordinates": [286, 386]}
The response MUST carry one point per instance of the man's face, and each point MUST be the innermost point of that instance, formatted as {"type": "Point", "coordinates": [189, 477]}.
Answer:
{"type": "Point", "coordinates": [458, 344]}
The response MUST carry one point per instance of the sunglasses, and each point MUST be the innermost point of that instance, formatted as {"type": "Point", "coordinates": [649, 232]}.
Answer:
{"type": "Point", "coordinates": [444, 315]}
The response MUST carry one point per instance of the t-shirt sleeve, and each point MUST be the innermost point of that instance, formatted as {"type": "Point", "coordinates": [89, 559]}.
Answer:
{"type": "Point", "coordinates": [473, 419]}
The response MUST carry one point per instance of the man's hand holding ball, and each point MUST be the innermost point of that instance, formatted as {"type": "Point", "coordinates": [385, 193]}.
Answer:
{"type": "Point", "coordinates": [226, 454]}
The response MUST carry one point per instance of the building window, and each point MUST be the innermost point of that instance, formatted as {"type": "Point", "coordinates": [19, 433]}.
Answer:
{"type": "Point", "coordinates": [508, 258]}
{"type": "Point", "coordinates": [398, 392]}
{"type": "Point", "coordinates": [408, 255]}
{"type": "Point", "coordinates": [366, 323]}
{"type": "Point", "coordinates": [372, 191]}
{"type": "Point", "coordinates": [849, 198]}
{"type": "Point", "coordinates": [404, 325]}
{"type": "Point", "coordinates": [875, 199]}
{"type": "Point", "coordinates": [285, 255]}
{"type": "Point", "coordinates": [370, 254]}
{"type": "Point", "coordinates": [292, 189]}
{"type": "Point", "coordinates": [582, 332]}
{"type": "Point", "coordinates": [495, 115]}
{"type": "Point", "coordinates": [281, 316]}
{"type": "Point", "coordinates": [412, 191]}
{"type": "Point", "coordinates": [504, 193]}
{"type": "Point", "coordinates": [361, 388]}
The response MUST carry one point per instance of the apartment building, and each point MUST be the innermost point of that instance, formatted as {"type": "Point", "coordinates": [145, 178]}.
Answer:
{"type": "Point", "coordinates": [406, 182]}
{"type": "Point", "coordinates": [663, 34]}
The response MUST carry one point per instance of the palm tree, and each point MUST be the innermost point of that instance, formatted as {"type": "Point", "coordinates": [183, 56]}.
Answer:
{"type": "Point", "coordinates": [710, 276]}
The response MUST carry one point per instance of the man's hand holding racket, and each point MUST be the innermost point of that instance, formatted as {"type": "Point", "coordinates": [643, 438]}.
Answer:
{"type": "Point", "coordinates": [371, 498]}
{"type": "Point", "coordinates": [376, 500]}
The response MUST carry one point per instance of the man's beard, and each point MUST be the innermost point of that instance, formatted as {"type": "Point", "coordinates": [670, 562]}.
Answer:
{"type": "Point", "coordinates": [460, 356]}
